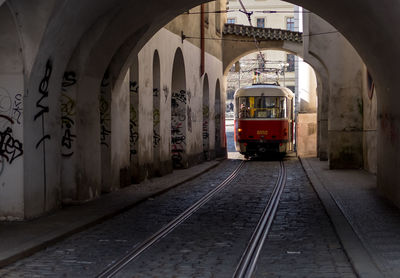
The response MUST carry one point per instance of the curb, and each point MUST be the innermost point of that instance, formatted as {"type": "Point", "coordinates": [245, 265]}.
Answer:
{"type": "Point", "coordinates": [361, 260]}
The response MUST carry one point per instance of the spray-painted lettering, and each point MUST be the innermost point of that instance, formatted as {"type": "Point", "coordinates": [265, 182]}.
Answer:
{"type": "Point", "coordinates": [134, 87]}
{"type": "Point", "coordinates": [10, 148]}
{"type": "Point", "coordinates": [105, 114]}
{"type": "Point", "coordinates": [44, 108]}
{"type": "Point", "coordinates": [178, 118]}
{"type": "Point", "coordinates": [67, 115]}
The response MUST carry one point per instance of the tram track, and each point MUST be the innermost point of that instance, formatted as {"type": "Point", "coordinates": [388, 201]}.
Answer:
{"type": "Point", "coordinates": [134, 253]}
{"type": "Point", "coordinates": [249, 258]}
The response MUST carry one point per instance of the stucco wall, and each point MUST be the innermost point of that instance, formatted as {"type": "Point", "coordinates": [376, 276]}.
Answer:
{"type": "Point", "coordinates": [194, 92]}
{"type": "Point", "coordinates": [307, 134]}
{"type": "Point", "coordinates": [11, 120]}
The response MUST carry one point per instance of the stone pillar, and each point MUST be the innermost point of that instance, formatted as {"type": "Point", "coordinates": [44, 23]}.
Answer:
{"type": "Point", "coordinates": [346, 77]}
{"type": "Point", "coordinates": [345, 124]}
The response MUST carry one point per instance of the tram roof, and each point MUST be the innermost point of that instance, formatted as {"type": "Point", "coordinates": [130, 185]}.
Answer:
{"type": "Point", "coordinates": [266, 90]}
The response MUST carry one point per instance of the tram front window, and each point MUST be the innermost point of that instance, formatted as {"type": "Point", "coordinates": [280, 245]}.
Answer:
{"type": "Point", "coordinates": [262, 107]}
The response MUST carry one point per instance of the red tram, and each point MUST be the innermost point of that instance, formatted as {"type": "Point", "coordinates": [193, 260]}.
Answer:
{"type": "Point", "coordinates": [264, 120]}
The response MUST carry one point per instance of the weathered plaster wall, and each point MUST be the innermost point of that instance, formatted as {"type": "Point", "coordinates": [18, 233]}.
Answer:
{"type": "Point", "coordinates": [307, 135]}
{"type": "Point", "coordinates": [346, 74]}
{"type": "Point", "coordinates": [11, 119]}
{"type": "Point", "coordinates": [194, 97]}
{"type": "Point", "coordinates": [370, 128]}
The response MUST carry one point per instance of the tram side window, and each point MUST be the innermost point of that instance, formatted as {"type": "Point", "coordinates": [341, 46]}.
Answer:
{"type": "Point", "coordinates": [244, 107]}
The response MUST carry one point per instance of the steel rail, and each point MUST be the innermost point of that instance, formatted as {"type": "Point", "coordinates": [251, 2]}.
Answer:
{"type": "Point", "coordinates": [120, 264]}
{"type": "Point", "coordinates": [249, 258]}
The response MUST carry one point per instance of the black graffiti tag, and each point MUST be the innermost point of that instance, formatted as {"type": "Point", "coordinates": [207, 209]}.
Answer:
{"type": "Point", "coordinates": [10, 148]}
{"type": "Point", "coordinates": [134, 87]}
{"type": "Point", "coordinates": [17, 109]}
{"type": "Point", "coordinates": [67, 113]}
{"type": "Point", "coordinates": [69, 80]}
{"type": "Point", "coordinates": [181, 96]}
{"type": "Point", "coordinates": [43, 90]}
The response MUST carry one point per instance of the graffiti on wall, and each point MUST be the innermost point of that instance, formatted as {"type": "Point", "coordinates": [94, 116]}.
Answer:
{"type": "Point", "coordinates": [206, 113]}
{"type": "Point", "coordinates": [206, 135]}
{"type": "Point", "coordinates": [67, 115]}
{"type": "Point", "coordinates": [40, 104]}
{"type": "Point", "coordinates": [166, 93]}
{"type": "Point", "coordinates": [11, 108]}
{"type": "Point", "coordinates": [189, 118]}
{"type": "Point", "coordinates": [156, 127]}
{"type": "Point", "coordinates": [156, 92]}
{"type": "Point", "coordinates": [134, 87]}
{"type": "Point", "coordinates": [105, 110]}
{"type": "Point", "coordinates": [178, 118]}
{"type": "Point", "coordinates": [17, 109]}
{"type": "Point", "coordinates": [134, 121]}
{"type": "Point", "coordinates": [11, 111]}
{"type": "Point", "coordinates": [133, 131]}
{"type": "Point", "coordinates": [10, 148]}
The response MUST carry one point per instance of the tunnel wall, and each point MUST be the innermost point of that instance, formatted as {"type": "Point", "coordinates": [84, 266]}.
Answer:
{"type": "Point", "coordinates": [194, 98]}
{"type": "Point", "coordinates": [11, 119]}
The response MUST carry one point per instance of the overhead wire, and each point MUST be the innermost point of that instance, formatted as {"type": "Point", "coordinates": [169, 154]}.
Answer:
{"type": "Point", "coordinates": [249, 14]}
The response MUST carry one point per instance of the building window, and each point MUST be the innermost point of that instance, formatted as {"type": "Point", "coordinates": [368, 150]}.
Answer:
{"type": "Point", "coordinates": [290, 60]}
{"type": "Point", "coordinates": [261, 22]}
{"type": "Point", "coordinates": [231, 20]}
{"type": "Point", "coordinates": [290, 23]}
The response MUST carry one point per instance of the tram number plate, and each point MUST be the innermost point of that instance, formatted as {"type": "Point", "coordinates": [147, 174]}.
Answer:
{"type": "Point", "coordinates": [262, 132]}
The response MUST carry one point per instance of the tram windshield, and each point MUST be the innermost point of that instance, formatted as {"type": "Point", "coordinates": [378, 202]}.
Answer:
{"type": "Point", "coordinates": [261, 107]}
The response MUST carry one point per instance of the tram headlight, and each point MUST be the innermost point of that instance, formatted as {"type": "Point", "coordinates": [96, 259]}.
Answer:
{"type": "Point", "coordinates": [240, 130]}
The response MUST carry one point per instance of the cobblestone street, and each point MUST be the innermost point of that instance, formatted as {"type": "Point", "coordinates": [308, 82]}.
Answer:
{"type": "Point", "coordinates": [301, 243]}
{"type": "Point", "coordinates": [86, 254]}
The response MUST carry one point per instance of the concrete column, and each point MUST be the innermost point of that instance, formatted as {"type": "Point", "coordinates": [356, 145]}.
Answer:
{"type": "Point", "coordinates": [345, 71]}
{"type": "Point", "coordinates": [345, 124]}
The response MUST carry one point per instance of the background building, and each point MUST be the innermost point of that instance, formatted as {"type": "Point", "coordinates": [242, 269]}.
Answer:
{"type": "Point", "coordinates": [286, 68]}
